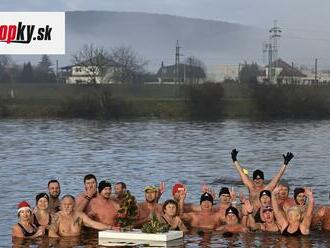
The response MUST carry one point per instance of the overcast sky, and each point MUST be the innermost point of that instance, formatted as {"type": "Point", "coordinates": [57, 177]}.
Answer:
{"type": "Point", "coordinates": [299, 19]}
{"type": "Point", "coordinates": [313, 14]}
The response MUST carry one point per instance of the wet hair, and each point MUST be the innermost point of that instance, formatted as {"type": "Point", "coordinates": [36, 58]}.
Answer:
{"type": "Point", "coordinates": [42, 195]}
{"type": "Point", "coordinates": [123, 185]}
{"type": "Point", "coordinates": [171, 201]}
{"type": "Point", "coordinates": [89, 176]}
{"type": "Point", "coordinates": [68, 196]}
{"type": "Point", "coordinates": [53, 181]}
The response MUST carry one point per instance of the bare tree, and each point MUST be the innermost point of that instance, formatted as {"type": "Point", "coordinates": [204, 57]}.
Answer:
{"type": "Point", "coordinates": [93, 61]}
{"type": "Point", "coordinates": [194, 70]}
{"type": "Point", "coordinates": [129, 64]}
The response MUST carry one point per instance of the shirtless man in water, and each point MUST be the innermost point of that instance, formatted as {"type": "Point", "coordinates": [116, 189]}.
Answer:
{"type": "Point", "coordinates": [120, 190]}
{"type": "Point", "coordinates": [90, 192]}
{"type": "Point", "coordinates": [149, 206]}
{"type": "Point", "coordinates": [256, 185]}
{"type": "Point", "coordinates": [206, 218]}
{"type": "Point", "coordinates": [102, 208]}
{"type": "Point", "coordinates": [225, 197]}
{"type": "Point", "coordinates": [54, 191]}
{"type": "Point", "coordinates": [68, 222]}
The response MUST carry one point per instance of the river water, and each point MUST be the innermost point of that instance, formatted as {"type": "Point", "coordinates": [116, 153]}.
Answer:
{"type": "Point", "coordinates": [149, 151]}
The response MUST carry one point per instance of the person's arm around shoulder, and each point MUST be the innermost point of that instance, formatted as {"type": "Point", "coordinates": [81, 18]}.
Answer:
{"type": "Point", "coordinates": [305, 224]}
{"type": "Point", "coordinates": [93, 224]}
{"type": "Point", "coordinates": [245, 179]}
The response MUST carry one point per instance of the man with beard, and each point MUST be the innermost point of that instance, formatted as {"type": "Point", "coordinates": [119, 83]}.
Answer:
{"type": "Point", "coordinates": [205, 218]}
{"type": "Point", "coordinates": [90, 192]}
{"type": "Point", "coordinates": [149, 206]}
{"type": "Point", "coordinates": [54, 191]}
{"type": "Point", "coordinates": [102, 208]}
{"type": "Point", "coordinates": [120, 190]}
{"type": "Point", "coordinates": [68, 222]}
{"type": "Point", "coordinates": [256, 185]}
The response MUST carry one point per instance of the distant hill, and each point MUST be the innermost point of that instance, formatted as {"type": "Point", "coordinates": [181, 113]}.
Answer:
{"type": "Point", "coordinates": [154, 37]}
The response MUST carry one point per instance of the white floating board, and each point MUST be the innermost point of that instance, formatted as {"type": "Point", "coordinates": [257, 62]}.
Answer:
{"type": "Point", "coordinates": [127, 243]}
{"type": "Point", "coordinates": [137, 234]}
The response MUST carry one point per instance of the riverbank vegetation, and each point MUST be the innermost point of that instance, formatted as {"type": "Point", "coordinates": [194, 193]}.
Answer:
{"type": "Point", "coordinates": [206, 101]}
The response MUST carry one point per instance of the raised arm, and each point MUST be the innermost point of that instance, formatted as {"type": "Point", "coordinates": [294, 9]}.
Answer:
{"type": "Point", "coordinates": [247, 211]}
{"type": "Point", "coordinates": [245, 179]}
{"type": "Point", "coordinates": [304, 226]}
{"type": "Point", "coordinates": [280, 219]}
{"type": "Point", "coordinates": [272, 184]}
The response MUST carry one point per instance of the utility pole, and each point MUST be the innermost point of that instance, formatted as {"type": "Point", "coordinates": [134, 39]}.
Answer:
{"type": "Point", "coordinates": [177, 62]}
{"type": "Point", "coordinates": [316, 81]}
{"type": "Point", "coordinates": [271, 49]}
{"type": "Point", "coordinates": [57, 71]}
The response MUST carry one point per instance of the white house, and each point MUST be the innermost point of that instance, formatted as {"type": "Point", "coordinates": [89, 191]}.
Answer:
{"type": "Point", "coordinates": [283, 73]}
{"type": "Point", "coordinates": [87, 74]}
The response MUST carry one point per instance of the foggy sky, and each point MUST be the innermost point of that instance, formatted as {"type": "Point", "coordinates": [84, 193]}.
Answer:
{"type": "Point", "coordinates": [300, 20]}
{"type": "Point", "coordinates": [290, 13]}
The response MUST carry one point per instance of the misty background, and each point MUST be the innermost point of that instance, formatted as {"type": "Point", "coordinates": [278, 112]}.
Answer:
{"type": "Point", "coordinates": [217, 32]}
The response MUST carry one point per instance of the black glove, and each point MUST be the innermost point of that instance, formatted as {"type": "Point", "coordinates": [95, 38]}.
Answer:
{"type": "Point", "coordinates": [287, 158]}
{"type": "Point", "coordinates": [234, 155]}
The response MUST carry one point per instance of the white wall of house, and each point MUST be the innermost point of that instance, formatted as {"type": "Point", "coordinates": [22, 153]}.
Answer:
{"type": "Point", "coordinates": [84, 75]}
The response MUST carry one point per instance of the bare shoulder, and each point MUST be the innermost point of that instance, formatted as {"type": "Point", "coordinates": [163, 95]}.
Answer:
{"type": "Point", "coordinates": [17, 231]}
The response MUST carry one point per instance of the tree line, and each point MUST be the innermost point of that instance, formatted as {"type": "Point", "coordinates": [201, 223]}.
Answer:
{"type": "Point", "coordinates": [10, 72]}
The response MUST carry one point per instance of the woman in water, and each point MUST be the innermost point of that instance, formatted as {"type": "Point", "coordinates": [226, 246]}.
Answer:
{"type": "Point", "coordinates": [269, 224]}
{"type": "Point", "coordinates": [170, 216]}
{"type": "Point", "coordinates": [24, 228]}
{"type": "Point", "coordinates": [41, 216]}
{"type": "Point", "coordinates": [294, 223]}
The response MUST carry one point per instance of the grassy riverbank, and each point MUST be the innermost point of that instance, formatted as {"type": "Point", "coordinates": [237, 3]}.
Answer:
{"type": "Point", "coordinates": [163, 101]}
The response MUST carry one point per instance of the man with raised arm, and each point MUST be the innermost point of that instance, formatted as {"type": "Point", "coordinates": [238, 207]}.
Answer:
{"type": "Point", "coordinates": [68, 222]}
{"type": "Point", "coordinates": [90, 192]}
{"type": "Point", "coordinates": [256, 185]}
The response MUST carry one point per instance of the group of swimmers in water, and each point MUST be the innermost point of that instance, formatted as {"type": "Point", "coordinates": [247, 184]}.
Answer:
{"type": "Point", "coordinates": [268, 208]}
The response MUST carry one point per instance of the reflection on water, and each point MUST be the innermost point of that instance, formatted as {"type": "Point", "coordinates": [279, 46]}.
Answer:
{"type": "Point", "coordinates": [139, 152]}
